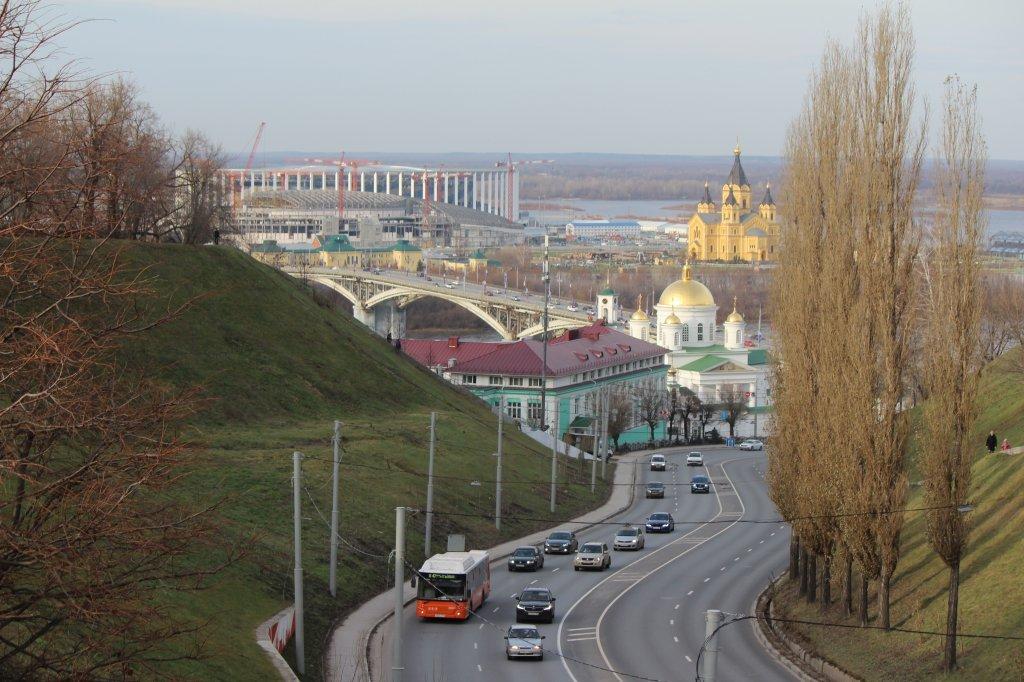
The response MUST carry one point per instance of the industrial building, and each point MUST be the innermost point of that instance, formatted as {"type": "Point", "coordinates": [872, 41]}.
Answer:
{"type": "Point", "coordinates": [603, 229]}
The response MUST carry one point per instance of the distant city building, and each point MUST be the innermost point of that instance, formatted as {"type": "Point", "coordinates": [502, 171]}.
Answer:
{"type": "Point", "coordinates": [602, 229]}
{"type": "Point", "coordinates": [580, 363]}
{"type": "Point", "coordinates": [1007, 244]}
{"type": "Point", "coordinates": [735, 229]}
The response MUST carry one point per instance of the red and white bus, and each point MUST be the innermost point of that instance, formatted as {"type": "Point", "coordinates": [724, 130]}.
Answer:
{"type": "Point", "coordinates": [452, 584]}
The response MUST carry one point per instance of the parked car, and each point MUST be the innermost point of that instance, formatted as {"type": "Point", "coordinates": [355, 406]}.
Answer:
{"type": "Point", "coordinates": [526, 559]}
{"type": "Point", "coordinates": [751, 444]}
{"type": "Point", "coordinates": [449, 285]}
{"type": "Point", "coordinates": [700, 484]}
{"type": "Point", "coordinates": [660, 522]}
{"type": "Point", "coordinates": [535, 603]}
{"type": "Point", "coordinates": [523, 642]}
{"type": "Point", "coordinates": [572, 307]}
{"type": "Point", "coordinates": [592, 555]}
{"type": "Point", "coordinates": [561, 542]}
{"type": "Point", "coordinates": [655, 489]}
{"type": "Point", "coordinates": [695, 459]}
{"type": "Point", "coordinates": [630, 537]}
{"type": "Point", "coordinates": [657, 462]}
{"type": "Point", "coordinates": [516, 298]}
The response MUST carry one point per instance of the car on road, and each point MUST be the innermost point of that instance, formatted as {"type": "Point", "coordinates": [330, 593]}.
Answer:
{"type": "Point", "coordinates": [700, 484]}
{"type": "Point", "coordinates": [516, 298]}
{"type": "Point", "coordinates": [751, 444]}
{"type": "Point", "coordinates": [660, 522]}
{"type": "Point", "coordinates": [449, 285]}
{"type": "Point", "coordinates": [630, 537]}
{"type": "Point", "coordinates": [655, 489]}
{"type": "Point", "coordinates": [561, 542]}
{"type": "Point", "coordinates": [657, 462]}
{"type": "Point", "coordinates": [523, 642]}
{"type": "Point", "coordinates": [526, 558]}
{"type": "Point", "coordinates": [535, 603]}
{"type": "Point", "coordinates": [592, 555]}
{"type": "Point", "coordinates": [488, 293]}
{"type": "Point", "coordinates": [695, 459]}
{"type": "Point", "coordinates": [572, 307]}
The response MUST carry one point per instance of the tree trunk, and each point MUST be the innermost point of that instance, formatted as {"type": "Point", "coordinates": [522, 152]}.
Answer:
{"type": "Point", "coordinates": [883, 600]}
{"type": "Point", "coordinates": [812, 577]}
{"type": "Point", "coordinates": [794, 557]}
{"type": "Point", "coordinates": [949, 653]}
{"type": "Point", "coordinates": [803, 570]}
{"type": "Point", "coordinates": [826, 581]}
{"type": "Point", "coordinates": [864, 600]}
{"type": "Point", "coordinates": [848, 586]}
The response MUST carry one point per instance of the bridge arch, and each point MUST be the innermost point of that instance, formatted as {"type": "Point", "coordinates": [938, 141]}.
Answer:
{"type": "Point", "coordinates": [336, 286]}
{"type": "Point", "coordinates": [554, 324]}
{"type": "Point", "coordinates": [400, 292]}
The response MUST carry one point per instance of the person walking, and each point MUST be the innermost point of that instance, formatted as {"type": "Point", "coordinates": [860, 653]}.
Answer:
{"type": "Point", "coordinates": [389, 338]}
{"type": "Point", "coordinates": [991, 441]}
{"type": "Point", "coordinates": [216, 237]}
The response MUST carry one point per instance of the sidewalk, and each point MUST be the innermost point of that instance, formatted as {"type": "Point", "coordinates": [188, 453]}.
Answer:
{"type": "Point", "coordinates": [352, 649]}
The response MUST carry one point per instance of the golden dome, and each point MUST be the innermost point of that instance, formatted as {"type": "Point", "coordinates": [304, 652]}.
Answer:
{"type": "Point", "coordinates": [672, 319]}
{"type": "Point", "coordinates": [640, 316]}
{"type": "Point", "coordinates": [734, 316]}
{"type": "Point", "coordinates": [686, 292]}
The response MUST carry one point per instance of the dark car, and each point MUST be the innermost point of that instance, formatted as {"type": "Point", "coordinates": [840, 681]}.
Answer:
{"type": "Point", "coordinates": [526, 559]}
{"type": "Point", "coordinates": [561, 542]}
{"type": "Point", "coordinates": [535, 604]}
{"type": "Point", "coordinates": [655, 489]}
{"type": "Point", "coordinates": [700, 484]}
{"type": "Point", "coordinates": [660, 522]}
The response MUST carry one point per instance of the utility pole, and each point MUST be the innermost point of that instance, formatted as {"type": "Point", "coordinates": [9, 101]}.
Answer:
{"type": "Point", "coordinates": [597, 444]}
{"type": "Point", "coordinates": [396, 647]}
{"type": "Point", "coordinates": [544, 346]}
{"type": "Point", "coordinates": [334, 510]}
{"type": "Point", "coordinates": [755, 405]}
{"type": "Point", "coordinates": [430, 488]}
{"type": "Point", "coordinates": [604, 452]}
{"type": "Point", "coordinates": [300, 635]}
{"type": "Point", "coordinates": [712, 620]}
{"type": "Point", "coordinates": [554, 461]}
{"type": "Point", "coordinates": [497, 478]}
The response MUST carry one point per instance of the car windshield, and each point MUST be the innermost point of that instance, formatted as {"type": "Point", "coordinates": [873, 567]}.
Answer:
{"type": "Point", "coordinates": [655, 485]}
{"type": "Point", "coordinates": [659, 517]}
{"type": "Point", "coordinates": [526, 551]}
{"type": "Point", "coordinates": [657, 458]}
{"type": "Point", "coordinates": [590, 549]}
{"type": "Point", "coordinates": [694, 454]}
{"type": "Point", "coordinates": [627, 532]}
{"type": "Point", "coordinates": [524, 633]}
{"type": "Point", "coordinates": [559, 536]}
{"type": "Point", "coordinates": [535, 595]}
{"type": "Point", "coordinates": [700, 479]}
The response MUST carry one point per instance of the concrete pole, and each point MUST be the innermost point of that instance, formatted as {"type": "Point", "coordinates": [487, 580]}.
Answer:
{"type": "Point", "coordinates": [497, 477]}
{"type": "Point", "coordinates": [554, 458]}
{"type": "Point", "coordinates": [430, 488]}
{"type": "Point", "coordinates": [604, 432]}
{"type": "Point", "coordinates": [334, 510]}
{"type": "Point", "coordinates": [396, 645]}
{"type": "Point", "coordinates": [597, 444]}
{"type": "Point", "coordinates": [300, 635]}
{"type": "Point", "coordinates": [712, 620]}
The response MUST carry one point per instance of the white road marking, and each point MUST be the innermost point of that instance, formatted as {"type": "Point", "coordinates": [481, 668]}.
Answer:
{"type": "Point", "coordinates": [688, 659]}
{"type": "Point", "coordinates": [591, 638]}
{"type": "Point", "coordinates": [707, 580]}
{"type": "Point", "coordinates": [760, 542]}
{"type": "Point", "coordinates": [495, 609]}
{"type": "Point", "coordinates": [533, 581]}
{"type": "Point", "coordinates": [475, 645]}
{"type": "Point", "coordinates": [479, 668]}
{"type": "Point", "coordinates": [511, 596]}
{"type": "Point", "coordinates": [750, 549]}
{"type": "Point", "coordinates": [556, 570]}
{"type": "Point", "coordinates": [675, 639]}
{"type": "Point", "coordinates": [481, 626]}
{"type": "Point", "coordinates": [687, 594]}
{"type": "Point", "coordinates": [671, 621]}
{"type": "Point", "coordinates": [591, 629]}
{"type": "Point", "coordinates": [736, 559]}
{"type": "Point", "coordinates": [722, 568]}
{"type": "Point", "coordinates": [677, 605]}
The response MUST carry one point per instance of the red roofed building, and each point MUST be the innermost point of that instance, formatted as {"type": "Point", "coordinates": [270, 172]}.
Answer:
{"type": "Point", "coordinates": [580, 363]}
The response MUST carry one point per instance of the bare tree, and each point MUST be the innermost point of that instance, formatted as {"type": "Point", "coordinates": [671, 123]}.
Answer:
{"type": "Point", "coordinates": [620, 415]}
{"type": "Point", "coordinates": [651, 404]}
{"type": "Point", "coordinates": [202, 207]}
{"type": "Point", "coordinates": [951, 352]}
{"type": "Point", "coordinates": [1002, 315]}
{"type": "Point", "coordinates": [734, 404]}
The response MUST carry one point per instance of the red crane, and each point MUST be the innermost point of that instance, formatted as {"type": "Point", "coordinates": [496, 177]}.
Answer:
{"type": "Point", "coordinates": [342, 163]}
{"type": "Point", "coordinates": [236, 194]}
{"type": "Point", "coordinates": [513, 168]}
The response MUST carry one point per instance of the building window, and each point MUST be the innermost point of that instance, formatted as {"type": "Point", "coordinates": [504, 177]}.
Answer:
{"type": "Point", "coordinates": [469, 378]}
{"type": "Point", "coordinates": [534, 382]}
{"type": "Point", "coordinates": [534, 412]}
{"type": "Point", "coordinates": [676, 339]}
{"type": "Point", "coordinates": [494, 381]}
{"type": "Point", "coordinates": [515, 409]}
{"type": "Point", "coordinates": [515, 381]}
{"type": "Point", "coordinates": [700, 332]}
{"type": "Point", "coordinates": [686, 333]}
{"type": "Point", "coordinates": [737, 337]}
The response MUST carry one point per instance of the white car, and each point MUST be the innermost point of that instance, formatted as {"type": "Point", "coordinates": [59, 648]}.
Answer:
{"type": "Point", "coordinates": [572, 307]}
{"type": "Point", "coordinates": [695, 459]}
{"type": "Point", "coordinates": [657, 462]}
{"type": "Point", "coordinates": [751, 444]}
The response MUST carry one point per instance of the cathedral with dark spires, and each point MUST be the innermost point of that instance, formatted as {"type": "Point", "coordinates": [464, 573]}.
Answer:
{"type": "Point", "coordinates": [735, 229]}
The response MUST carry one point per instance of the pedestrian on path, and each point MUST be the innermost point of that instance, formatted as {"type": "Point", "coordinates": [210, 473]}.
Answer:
{"type": "Point", "coordinates": [991, 441]}
{"type": "Point", "coordinates": [1006, 445]}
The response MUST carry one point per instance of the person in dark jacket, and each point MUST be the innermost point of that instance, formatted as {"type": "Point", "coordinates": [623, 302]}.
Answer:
{"type": "Point", "coordinates": [398, 345]}
{"type": "Point", "coordinates": [991, 441]}
{"type": "Point", "coordinates": [389, 337]}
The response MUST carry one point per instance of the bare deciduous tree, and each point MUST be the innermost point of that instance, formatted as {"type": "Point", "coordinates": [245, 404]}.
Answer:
{"type": "Point", "coordinates": [620, 415]}
{"type": "Point", "coordinates": [734, 405]}
{"type": "Point", "coordinates": [651, 403]}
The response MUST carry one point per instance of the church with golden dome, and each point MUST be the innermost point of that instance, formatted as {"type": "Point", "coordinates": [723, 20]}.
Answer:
{"type": "Point", "coordinates": [734, 229]}
{"type": "Point", "coordinates": [713, 361]}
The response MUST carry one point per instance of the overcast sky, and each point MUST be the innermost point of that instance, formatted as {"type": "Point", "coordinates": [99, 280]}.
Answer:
{"type": "Point", "coordinates": [669, 77]}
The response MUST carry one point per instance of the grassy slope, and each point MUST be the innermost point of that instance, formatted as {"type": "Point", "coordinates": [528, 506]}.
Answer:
{"type": "Point", "coordinates": [992, 591]}
{"type": "Point", "coordinates": [277, 368]}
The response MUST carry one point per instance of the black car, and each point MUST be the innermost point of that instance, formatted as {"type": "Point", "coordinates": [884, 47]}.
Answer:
{"type": "Point", "coordinates": [656, 489]}
{"type": "Point", "coordinates": [660, 522]}
{"type": "Point", "coordinates": [700, 484]}
{"type": "Point", "coordinates": [535, 603]}
{"type": "Point", "coordinates": [526, 559]}
{"type": "Point", "coordinates": [561, 542]}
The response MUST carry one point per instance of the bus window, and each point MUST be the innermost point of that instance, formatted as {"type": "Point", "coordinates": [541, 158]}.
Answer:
{"type": "Point", "coordinates": [441, 586]}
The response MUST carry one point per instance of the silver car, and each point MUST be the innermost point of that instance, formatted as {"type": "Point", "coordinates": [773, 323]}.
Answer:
{"type": "Point", "coordinates": [522, 641]}
{"type": "Point", "coordinates": [630, 537]}
{"type": "Point", "coordinates": [592, 555]}
{"type": "Point", "coordinates": [751, 444]}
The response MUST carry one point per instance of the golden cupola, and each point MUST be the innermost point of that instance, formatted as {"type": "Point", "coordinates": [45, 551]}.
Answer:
{"type": "Point", "coordinates": [686, 292]}
{"type": "Point", "coordinates": [734, 316]}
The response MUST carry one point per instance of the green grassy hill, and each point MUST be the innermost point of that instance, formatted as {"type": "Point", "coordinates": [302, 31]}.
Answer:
{"type": "Point", "coordinates": [992, 588]}
{"type": "Point", "coordinates": [276, 368]}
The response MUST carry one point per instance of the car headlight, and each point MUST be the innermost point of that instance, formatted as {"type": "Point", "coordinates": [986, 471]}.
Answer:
{"type": "Point", "coordinates": [548, 607]}
{"type": "Point", "coordinates": [515, 647]}
{"type": "Point", "coordinates": [520, 607]}
{"type": "Point", "coordinates": [536, 648]}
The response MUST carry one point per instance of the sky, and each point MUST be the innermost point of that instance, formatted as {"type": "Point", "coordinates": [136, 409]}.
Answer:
{"type": "Point", "coordinates": [525, 76]}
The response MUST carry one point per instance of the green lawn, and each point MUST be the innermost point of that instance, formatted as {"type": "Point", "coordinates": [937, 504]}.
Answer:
{"type": "Point", "coordinates": [277, 368]}
{"type": "Point", "coordinates": [992, 588]}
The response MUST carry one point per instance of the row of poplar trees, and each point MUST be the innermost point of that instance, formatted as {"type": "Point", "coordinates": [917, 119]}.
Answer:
{"type": "Point", "coordinates": [867, 292]}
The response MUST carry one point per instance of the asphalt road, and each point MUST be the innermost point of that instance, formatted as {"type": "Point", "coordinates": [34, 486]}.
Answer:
{"type": "Point", "coordinates": [644, 618]}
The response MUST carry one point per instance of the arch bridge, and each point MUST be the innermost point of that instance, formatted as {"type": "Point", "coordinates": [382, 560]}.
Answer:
{"type": "Point", "coordinates": [380, 300]}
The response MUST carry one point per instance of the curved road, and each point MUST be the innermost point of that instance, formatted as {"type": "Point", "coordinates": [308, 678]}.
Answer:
{"type": "Point", "coordinates": [643, 619]}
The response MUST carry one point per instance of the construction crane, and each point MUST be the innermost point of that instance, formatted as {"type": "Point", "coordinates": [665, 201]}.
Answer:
{"type": "Point", "coordinates": [236, 196]}
{"type": "Point", "coordinates": [510, 185]}
{"type": "Point", "coordinates": [342, 163]}
{"type": "Point", "coordinates": [428, 202]}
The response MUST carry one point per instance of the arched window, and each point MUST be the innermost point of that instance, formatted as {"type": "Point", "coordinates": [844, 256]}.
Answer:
{"type": "Point", "coordinates": [700, 332]}
{"type": "Point", "coordinates": [677, 339]}
{"type": "Point", "coordinates": [737, 337]}
{"type": "Point", "coordinates": [686, 333]}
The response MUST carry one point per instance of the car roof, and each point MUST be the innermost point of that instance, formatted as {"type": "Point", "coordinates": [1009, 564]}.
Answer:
{"type": "Point", "coordinates": [700, 477]}
{"type": "Point", "coordinates": [655, 483]}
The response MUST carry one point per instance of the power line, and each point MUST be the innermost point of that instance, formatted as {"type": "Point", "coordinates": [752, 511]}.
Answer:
{"type": "Point", "coordinates": [340, 538]}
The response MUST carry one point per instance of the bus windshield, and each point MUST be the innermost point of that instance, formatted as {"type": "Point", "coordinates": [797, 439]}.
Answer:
{"type": "Point", "coordinates": [441, 586]}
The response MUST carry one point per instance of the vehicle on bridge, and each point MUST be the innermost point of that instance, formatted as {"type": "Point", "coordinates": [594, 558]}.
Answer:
{"type": "Point", "coordinates": [453, 585]}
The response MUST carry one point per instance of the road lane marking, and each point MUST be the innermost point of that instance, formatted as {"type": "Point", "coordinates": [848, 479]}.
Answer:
{"type": "Point", "coordinates": [722, 568]}
{"type": "Point", "coordinates": [495, 609]}
{"type": "Point", "coordinates": [590, 629]}
{"type": "Point", "coordinates": [707, 580]}
{"type": "Point", "coordinates": [481, 626]}
{"type": "Point", "coordinates": [760, 542]}
{"type": "Point", "coordinates": [687, 594]}
{"type": "Point", "coordinates": [677, 605]}
{"type": "Point", "coordinates": [736, 559]}
{"type": "Point", "coordinates": [750, 549]}
{"type": "Point", "coordinates": [475, 645]}
{"type": "Point", "coordinates": [773, 533]}
{"type": "Point", "coordinates": [479, 668]}
{"type": "Point", "coordinates": [671, 621]}
{"type": "Point", "coordinates": [533, 581]}
{"type": "Point", "coordinates": [591, 638]}
{"type": "Point", "coordinates": [688, 659]}
{"type": "Point", "coordinates": [556, 570]}
{"type": "Point", "coordinates": [675, 639]}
